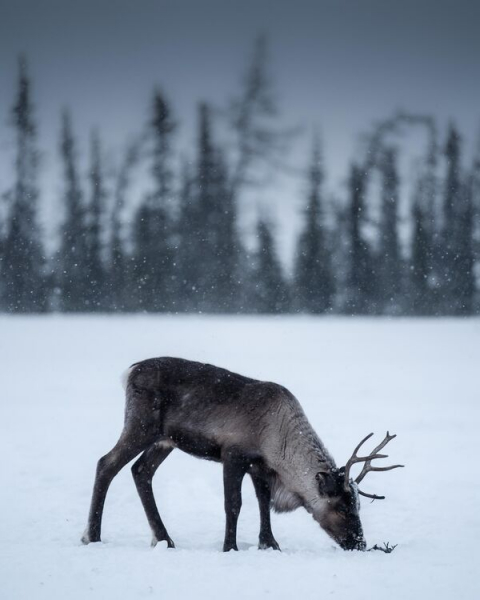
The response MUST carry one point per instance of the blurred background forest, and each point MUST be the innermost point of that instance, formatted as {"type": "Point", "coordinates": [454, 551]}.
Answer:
{"type": "Point", "coordinates": [155, 229]}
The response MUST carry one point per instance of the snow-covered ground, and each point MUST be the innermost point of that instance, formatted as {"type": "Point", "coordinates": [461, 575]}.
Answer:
{"type": "Point", "coordinates": [61, 408]}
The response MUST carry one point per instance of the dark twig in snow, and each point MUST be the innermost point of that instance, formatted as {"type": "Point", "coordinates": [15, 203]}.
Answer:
{"type": "Point", "coordinates": [386, 548]}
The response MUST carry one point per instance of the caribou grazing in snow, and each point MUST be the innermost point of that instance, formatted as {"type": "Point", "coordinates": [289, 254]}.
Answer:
{"type": "Point", "coordinates": [249, 426]}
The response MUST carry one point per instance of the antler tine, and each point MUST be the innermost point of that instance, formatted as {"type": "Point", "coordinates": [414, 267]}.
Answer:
{"type": "Point", "coordinates": [367, 437]}
{"type": "Point", "coordinates": [373, 496]}
{"type": "Point", "coordinates": [354, 459]}
{"type": "Point", "coordinates": [374, 454]}
{"type": "Point", "coordinates": [367, 467]}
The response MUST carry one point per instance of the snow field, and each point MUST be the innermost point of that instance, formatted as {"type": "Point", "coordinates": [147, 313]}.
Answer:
{"type": "Point", "coordinates": [61, 408]}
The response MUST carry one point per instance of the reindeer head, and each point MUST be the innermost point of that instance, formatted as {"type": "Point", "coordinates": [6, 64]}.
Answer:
{"type": "Point", "coordinates": [339, 515]}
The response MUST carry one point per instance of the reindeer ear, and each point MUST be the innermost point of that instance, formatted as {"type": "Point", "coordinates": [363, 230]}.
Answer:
{"type": "Point", "coordinates": [327, 482]}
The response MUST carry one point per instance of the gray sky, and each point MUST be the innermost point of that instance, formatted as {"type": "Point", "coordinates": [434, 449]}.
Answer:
{"type": "Point", "coordinates": [337, 64]}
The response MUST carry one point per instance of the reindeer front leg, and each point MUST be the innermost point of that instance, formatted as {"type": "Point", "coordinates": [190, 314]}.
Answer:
{"type": "Point", "coordinates": [235, 465]}
{"type": "Point", "coordinates": [264, 494]}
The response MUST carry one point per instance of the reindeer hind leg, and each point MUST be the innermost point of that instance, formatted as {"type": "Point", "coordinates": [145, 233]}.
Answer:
{"type": "Point", "coordinates": [143, 471]}
{"type": "Point", "coordinates": [130, 443]}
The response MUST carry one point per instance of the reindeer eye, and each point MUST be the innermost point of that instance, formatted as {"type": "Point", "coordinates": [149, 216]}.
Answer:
{"type": "Point", "coordinates": [342, 510]}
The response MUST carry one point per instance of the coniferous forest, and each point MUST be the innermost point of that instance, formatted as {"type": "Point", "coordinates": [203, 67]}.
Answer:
{"type": "Point", "coordinates": [180, 248]}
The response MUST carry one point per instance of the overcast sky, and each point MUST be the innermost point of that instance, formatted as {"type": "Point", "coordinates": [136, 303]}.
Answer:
{"type": "Point", "coordinates": [337, 64]}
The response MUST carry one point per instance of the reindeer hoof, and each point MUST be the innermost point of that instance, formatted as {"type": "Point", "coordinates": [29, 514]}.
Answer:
{"type": "Point", "coordinates": [169, 541]}
{"type": "Point", "coordinates": [87, 539]}
{"type": "Point", "coordinates": [265, 545]}
{"type": "Point", "coordinates": [228, 547]}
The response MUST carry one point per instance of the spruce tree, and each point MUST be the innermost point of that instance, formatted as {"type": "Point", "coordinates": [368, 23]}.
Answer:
{"type": "Point", "coordinates": [187, 242]}
{"type": "Point", "coordinates": [212, 242]}
{"type": "Point", "coordinates": [465, 257]}
{"type": "Point", "coordinates": [153, 227]}
{"type": "Point", "coordinates": [206, 221]}
{"type": "Point", "coordinates": [425, 247]}
{"type": "Point", "coordinates": [213, 235]}
{"type": "Point", "coordinates": [420, 297]}
{"type": "Point", "coordinates": [147, 274]}
{"type": "Point", "coordinates": [390, 260]}
{"type": "Point", "coordinates": [475, 200]}
{"type": "Point", "coordinates": [458, 276]}
{"type": "Point", "coordinates": [23, 283]}
{"type": "Point", "coordinates": [450, 205]}
{"type": "Point", "coordinates": [227, 249]}
{"type": "Point", "coordinates": [72, 266]}
{"type": "Point", "coordinates": [252, 119]}
{"type": "Point", "coordinates": [270, 289]}
{"type": "Point", "coordinates": [313, 276]}
{"type": "Point", "coordinates": [258, 147]}
{"type": "Point", "coordinates": [120, 283]}
{"type": "Point", "coordinates": [95, 268]}
{"type": "Point", "coordinates": [361, 297]}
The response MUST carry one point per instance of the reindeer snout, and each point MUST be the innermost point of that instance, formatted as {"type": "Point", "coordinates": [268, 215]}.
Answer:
{"type": "Point", "coordinates": [353, 543]}
{"type": "Point", "coordinates": [362, 545]}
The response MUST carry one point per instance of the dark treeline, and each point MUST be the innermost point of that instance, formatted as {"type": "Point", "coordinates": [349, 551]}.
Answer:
{"type": "Point", "coordinates": [180, 248]}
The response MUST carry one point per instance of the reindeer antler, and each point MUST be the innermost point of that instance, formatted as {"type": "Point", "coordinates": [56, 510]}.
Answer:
{"type": "Point", "coordinates": [367, 460]}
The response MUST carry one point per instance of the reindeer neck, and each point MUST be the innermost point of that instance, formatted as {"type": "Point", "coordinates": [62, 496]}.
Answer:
{"type": "Point", "coordinates": [300, 455]}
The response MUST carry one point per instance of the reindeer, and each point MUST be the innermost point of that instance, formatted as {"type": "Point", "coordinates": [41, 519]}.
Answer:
{"type": "Point", "coordinates": [251, 427]}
